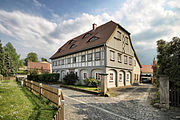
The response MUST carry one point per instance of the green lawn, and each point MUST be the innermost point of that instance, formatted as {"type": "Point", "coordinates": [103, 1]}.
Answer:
{"type": "Point", "coordinates": [84, 87]}
{"type": "Point", "coordinates": [18, 103]}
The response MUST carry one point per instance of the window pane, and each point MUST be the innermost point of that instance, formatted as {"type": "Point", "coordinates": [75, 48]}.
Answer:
{"type": "Point", "coordinates": [111, 76]}
{"type": "Point", "coordinates": [90, 57]}
{"type": "Point", "coordinates": [83, 58]}
{"type": "Point", "coordinates": [112, 55]}
{"type": "Point", "coordinates": [97, 56]}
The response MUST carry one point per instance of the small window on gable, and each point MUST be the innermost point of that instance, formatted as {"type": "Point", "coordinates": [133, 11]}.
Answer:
{"type": "Point", "coordinates": [93, 38]}
{"type": "Point", "coordinates": [72, 46]}
{"type": "Point", "coordinates": [119, 35]}
{"type": "Point", "coordinates": [86, 35]}
{"type": "Point", "coordinates": [126, 40]}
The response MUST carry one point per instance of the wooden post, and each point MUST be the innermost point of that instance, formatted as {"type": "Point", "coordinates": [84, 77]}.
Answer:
{"type": "Point", "coordinates": [60, 105]}
{"type": "Point", "coordinates": [103, 83]}
{"type": "Point", "coordinates": [31, 85]}
{"type": "Point", "coordinates": [40, 86]}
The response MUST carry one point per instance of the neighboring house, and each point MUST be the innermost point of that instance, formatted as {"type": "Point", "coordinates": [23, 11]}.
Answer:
{"type": "Point", "coordinates": [104, 49]}
{"type": "Point", "coordinates": [41, 67]}
{"type": "Point", "coordinates": [146, 73]}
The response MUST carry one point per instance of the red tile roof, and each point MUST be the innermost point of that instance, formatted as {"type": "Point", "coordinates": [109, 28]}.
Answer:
{"type": "Point", "coordinates": [81, 42]}
{"type": "Point", "coordinates": [147, 69]}
{"type": "Point", "coordinates": [39, 65]}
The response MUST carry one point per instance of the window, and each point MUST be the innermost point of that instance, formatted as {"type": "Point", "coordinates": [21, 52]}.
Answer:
{"type": "Point", "coordinates": [135, 77]}
{"type": "Point", "coordinates": [72, 46]}
{"type": "Point", "coordinates": [84, 75]}
{"type": "Point", "coordinates": [130, 61]}
{"type": "Point", "coordinates": [111, 77]}
{"type": "Point", "coordinates": [55, 63]}
{"type": "Point", "coordinates": [125, 59]}
{"type": "Point", "coordinates": [98, 76]}
{"type": "Point", "coordinates": [97, 56]}
{"type": "Point", "coordinates": [126, 40]}
{"type": "Point", "coordinates": [74, 59]}
{"type": "Point", "coordinates": [119, 35]}
{"type": "Point", "coordinates": [83, 58]}
{"type": "Point", "coordinates": [86, 35]}
{"type": "Point", "coordinates": [119, 57]}
{"type": "Point", "coordinates": [69, 60]}
{"type": "Point", "coordinates": [59, 62]}
{"type": "Point", "coordinates": [134, 62]}
{"type": "Point", "coordinates": [127, 77]}
{"type": "Point", "coordinates": [71, 41]}
{"type": "Point", "coordinates": [93, 38]}
{"type": "Point", "coordinates": [89, 57]}
{"type": "Point", "coordinates": [120, 77]}
{"type": "Point", "coordinates": [112, 55]}
{"type": "Point", "coordinates": [62, 62]}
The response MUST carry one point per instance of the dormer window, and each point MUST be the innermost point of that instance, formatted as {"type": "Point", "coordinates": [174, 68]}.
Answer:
{"type": "Point", "coordinates": [93, 38]}
{"type": "Point", "coordinates": [86, 35]}
{"type": "Point", "coordinates": [72, 46]}
{"type": "Point", "coordinates": [59, 50]}
{"type": "Point", "coordinates": [71, 41]}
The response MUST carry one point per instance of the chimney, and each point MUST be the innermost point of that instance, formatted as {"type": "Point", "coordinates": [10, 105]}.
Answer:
{"type": "Point", "coordinates": [94, 26]}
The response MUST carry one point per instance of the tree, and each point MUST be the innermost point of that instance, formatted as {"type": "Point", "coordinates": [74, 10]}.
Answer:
{"type": "Point", "coordinates": [2, 57]}
{"type": "Point", "coordinates": [169, 59]}
{"type": "Point", "coordinates": [43, 59]}
{"type": "Point", "coordinates": [31, 57]}
{"type": "Point", "coordinates": [13, 56]}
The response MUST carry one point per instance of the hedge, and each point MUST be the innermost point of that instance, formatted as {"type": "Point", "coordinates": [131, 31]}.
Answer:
{"type": "Point", "coordinates": [45, 78]}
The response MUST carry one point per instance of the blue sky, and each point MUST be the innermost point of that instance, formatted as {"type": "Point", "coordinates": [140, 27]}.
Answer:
{"type": "Point", "coordinates": [42, 26]}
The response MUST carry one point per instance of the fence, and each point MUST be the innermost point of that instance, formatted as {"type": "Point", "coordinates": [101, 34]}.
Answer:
{"type": "Point", "coordinates": [52, 94]}
{"type": "Point", "coordinates": [174, 93]}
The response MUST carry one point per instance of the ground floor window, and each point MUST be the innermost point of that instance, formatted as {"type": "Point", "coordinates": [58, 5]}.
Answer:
{"type": "Point", "coordinates": [128, 77]}
{"type": "Point", "coordinates": [111, 77]}
{"type": "Point", "coordinates": [98, 76]}
{"type": "Point", "coordinates": [120, 77]}
{"type": "Point", "coordinates": [84, 75]}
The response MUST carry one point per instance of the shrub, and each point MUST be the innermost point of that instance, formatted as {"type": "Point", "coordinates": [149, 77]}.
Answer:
{"type": "Point", "coordinates": [92, 81]}
{"type": "Point", "coordinates": [46, 78]}
{"type": "Point", "coordinates": [70, 79]}
{"type": "Point", "coordinates": [23, 72]}
{"type": "Point", "coordinates": [1, 77]}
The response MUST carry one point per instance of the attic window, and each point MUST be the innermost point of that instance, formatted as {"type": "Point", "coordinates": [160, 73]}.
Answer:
{"type": "Point", "coordinates": [71, 41]}
{"type": "Point", "coordinates": [72, 46]}
{"type": "Point", "coordinates": [59, 50]}
{"type": "Point", "coordinates": [86, 35]}
{"type": "Point", "coordinates": [93, 38]}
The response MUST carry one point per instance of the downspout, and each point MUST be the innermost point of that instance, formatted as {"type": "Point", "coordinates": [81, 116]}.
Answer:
{"type": "Point", "coordinates": [105, 57]}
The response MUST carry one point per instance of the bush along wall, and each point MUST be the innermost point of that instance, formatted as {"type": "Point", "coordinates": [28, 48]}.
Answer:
{"type": "Point", "coordinates": [45, 78]}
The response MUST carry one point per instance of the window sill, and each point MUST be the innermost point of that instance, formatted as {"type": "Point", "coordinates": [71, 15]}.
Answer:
{"type": "Point", "coordinates": [111, 80]}
{"type": "Point", "coordinates": [112, 59]}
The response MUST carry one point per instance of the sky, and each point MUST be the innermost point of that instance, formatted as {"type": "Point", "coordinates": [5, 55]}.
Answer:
{"type": "Point", "coordinates": [42, 26]}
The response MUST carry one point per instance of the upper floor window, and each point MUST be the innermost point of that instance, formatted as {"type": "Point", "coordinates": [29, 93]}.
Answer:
{"type": "Point", "coordinates": [89, 57]}
{"type": "Point", "coordinates": [69, 60]}
{"type": "Point", "coordinates": [125, 59]}
{"type": "Point", "coordinates": [134, 62]}
{"type": "Point", "coordinates": [93, 38]}
{"type": "Point", "coordinates": [97, 56]}
{"type": "Point", "coordinates": [71, 41]}
{"type": "Point", "coordinates": [119, 57]}
{"type": "Point", "coordinates": [126, 40]}
{"type": "Point", "coordinates": [83, 58]}
{"type": "Point", "coordinates": [119, 35]}
{"type": "Point", "coordinates": [74, 59]}
{"type": "Point", "coordinates": [130, 60]}
{"type": "Point", "coordinates": [62, 62]}
{"type": "Point", "coordinates": [111, 55]}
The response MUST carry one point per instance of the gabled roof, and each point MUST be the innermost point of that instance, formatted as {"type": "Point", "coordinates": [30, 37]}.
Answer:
{"type": "Point", "coordinates": [147, 69]}
{"type": "Point", "coordinates": [87, 41]}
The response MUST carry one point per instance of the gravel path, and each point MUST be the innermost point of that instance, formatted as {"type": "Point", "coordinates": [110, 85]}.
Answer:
{"type": "Point", "coordinates": [131, 104]}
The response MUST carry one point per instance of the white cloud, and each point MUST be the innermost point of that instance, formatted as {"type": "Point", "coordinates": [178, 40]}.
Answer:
{"type": "Point", "coordinates": [146, 20]}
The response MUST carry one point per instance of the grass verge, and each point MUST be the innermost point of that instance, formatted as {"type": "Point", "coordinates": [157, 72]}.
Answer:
{"type": "Point", "coordinates": [18, 103]}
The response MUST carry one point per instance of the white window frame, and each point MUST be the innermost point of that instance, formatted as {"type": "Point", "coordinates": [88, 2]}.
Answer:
{"type": "Point", "coordinates": [83, 58]}
{"type": "Point", "coordinates": [119, 57]}
{"type": "Point", "coordinates": [125, 59]}
{"type": "Point", "coordinates": [119, 35]}
{"type": "Point", "coordinates": [121, 74]}
{"type": "Point", "coordinates": [130, 60]}
{"type": "Point", "coordinates": [99, 57]}
{"type": "Point", "coordinates": [112, 55]}
{"type": "Point", "coordinates": [110, 77]}
{"type": "Point", "coordinates": [96, 76]}
{"type": "Point", "coordinates": [89, 57]}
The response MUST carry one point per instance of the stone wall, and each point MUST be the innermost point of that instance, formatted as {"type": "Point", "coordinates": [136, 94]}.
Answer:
{"type": "Point", "coordinates": [164, 91]}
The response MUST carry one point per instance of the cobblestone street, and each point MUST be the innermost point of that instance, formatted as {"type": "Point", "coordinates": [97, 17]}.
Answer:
{"type": "Point", "coordinates": [131, 103]}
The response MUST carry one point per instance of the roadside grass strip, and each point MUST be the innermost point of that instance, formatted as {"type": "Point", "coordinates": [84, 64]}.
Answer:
{"type": "Point", "coordinates": [18, 103]}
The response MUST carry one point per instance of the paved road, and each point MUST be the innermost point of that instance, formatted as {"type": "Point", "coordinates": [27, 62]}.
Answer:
{"type": "Point", "coordinates": [131, 104]}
